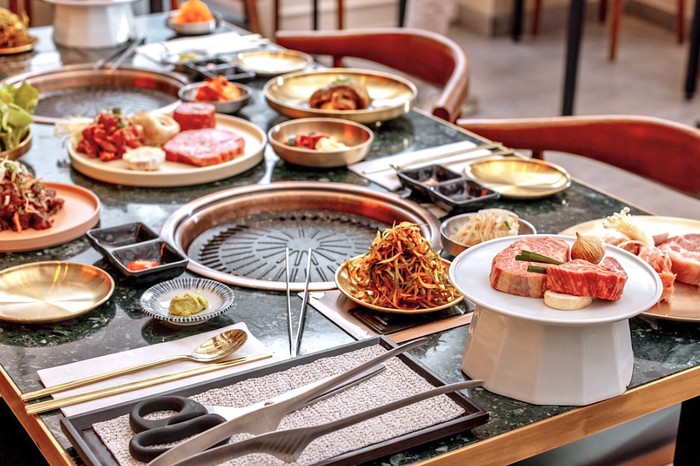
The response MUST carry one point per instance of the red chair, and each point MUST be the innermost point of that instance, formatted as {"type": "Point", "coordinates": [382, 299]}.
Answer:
{"type": "Point", "coordinates": [423, 54]}
{"type": "Point", "coordinates": [658, 149]}
{"type": "Point", "coordinates": [21, 6]}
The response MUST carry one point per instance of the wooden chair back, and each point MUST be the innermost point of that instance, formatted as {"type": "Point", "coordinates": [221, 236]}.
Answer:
{"type": "Point", "coordinates": [416, 52]}
{"type": "Point", "coordinates": [661, 150]}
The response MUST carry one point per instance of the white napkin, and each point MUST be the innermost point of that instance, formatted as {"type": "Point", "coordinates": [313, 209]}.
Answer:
{"type": "Point", "coordinates": [449, 154]}
{"type": "Point", "coordinates": [89, 367]}
{"type": "Point", "coordinates": [214, 44]}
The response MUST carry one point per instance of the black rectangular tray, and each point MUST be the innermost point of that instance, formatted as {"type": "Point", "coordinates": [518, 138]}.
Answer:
{"type": "Point", "coordinates": [80, 433]}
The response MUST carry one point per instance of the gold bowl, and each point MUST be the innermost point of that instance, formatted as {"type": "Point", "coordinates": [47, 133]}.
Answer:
{"type": "Point", "coordinates": [20, 149]}
{"type": "Point", "coordinates": [519, 178]}
{"type": "Point", "coordinates": [358, 139]}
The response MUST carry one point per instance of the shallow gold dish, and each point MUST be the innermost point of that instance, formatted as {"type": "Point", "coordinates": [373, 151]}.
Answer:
{"type": "Point", "coordinates": [345, 286]}
{"type": "Point", "coordinates": [519, 178]}
{"type": "Point", "coordinates": [44, 292]}
{"type": "Point", "coordinates": [19, 150]}
{"type": "Point", "coordinates": [272, 62]}
{"type": "Point", "coordinates": [19, 48]}
{"type": "Point", "coordinates": [392, 96]}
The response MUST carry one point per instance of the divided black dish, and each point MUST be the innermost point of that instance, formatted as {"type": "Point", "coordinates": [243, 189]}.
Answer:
{"type": "Point", "coordinates": [446, 188]}
{"type": "Point", "coordinates": [462, 193]}
{"type": "Point", "coordinates": [422, 179]}
{"type": "Point", "coordinates": [210, 67]}
{"type": "Point", "coordinates": [127, 243]}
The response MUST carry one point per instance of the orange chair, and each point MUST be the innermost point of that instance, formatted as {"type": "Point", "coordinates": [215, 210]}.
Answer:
{"type": "Point", "coordinates": [615, 21]}
{"type": "Point", "coordinates": [658, 149]}
{"type": "Point", "coordinates": [419, 53]}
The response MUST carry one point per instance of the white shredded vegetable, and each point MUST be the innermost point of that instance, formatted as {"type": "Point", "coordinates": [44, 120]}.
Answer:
{"type": "Point", "coordinates": [487, 224]}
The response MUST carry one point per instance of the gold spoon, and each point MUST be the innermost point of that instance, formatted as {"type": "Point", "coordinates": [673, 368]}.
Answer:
{"type": "Point", "coordinates": [214, 349]}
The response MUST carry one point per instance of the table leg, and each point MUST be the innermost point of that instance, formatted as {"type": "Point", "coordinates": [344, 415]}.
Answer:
{"type": "Point", "coordinates": [517, 26]}
{"type": "Point", "coordinates": [577, 12]}
{"type": "Point", "coordinates": [691, 78]}
{"type": "Point", "coordinates": [687, 451]}
{"type": "Point", "coordinates": [315, 15]}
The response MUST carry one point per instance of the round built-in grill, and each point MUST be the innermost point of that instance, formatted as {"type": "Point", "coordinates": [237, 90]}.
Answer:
{"type": "Point", "coordinates": [81, 90]}
{"type": "Point", "coordinates": [239, 236]}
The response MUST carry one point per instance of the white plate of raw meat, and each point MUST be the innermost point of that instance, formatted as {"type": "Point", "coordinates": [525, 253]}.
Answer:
{"type": "Point", "coordinates": [683, 305]}
{"type": "Point", "coordinates": [470, 274]}
{"type": "Point", "coordinates": [172, 174]}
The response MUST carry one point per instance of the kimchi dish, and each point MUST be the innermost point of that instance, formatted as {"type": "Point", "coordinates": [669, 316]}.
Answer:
{"type": "Point", "coordinates": [26, 202]}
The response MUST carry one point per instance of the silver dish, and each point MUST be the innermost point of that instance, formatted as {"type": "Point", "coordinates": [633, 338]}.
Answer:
{"type": "Point", "coordinates": [450, 227]}
{"type": "Point", "coordinates": [188, 93]}
{"type": "Point", "coordinates": [358, 139]}
{"type": "Point", "coordinates": [193, 29]}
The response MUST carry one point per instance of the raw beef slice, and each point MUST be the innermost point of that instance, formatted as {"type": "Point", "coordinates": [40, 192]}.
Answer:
{"type": "Point", "coordinates": [511, 276]}
{"type": "Point", "coordinates": [582, 278]}
{"type": "Point", "coordinates": [204, 147]}
{"type": "Point", "coordinates": [684, 251]}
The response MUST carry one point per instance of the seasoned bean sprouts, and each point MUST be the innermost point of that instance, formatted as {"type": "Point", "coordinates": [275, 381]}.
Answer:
{"type": "Point", "coordinates": [487, 224]}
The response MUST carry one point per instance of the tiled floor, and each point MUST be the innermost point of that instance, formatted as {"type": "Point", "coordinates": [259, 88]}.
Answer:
{"type": "Point", "coordinates": [524, 79]}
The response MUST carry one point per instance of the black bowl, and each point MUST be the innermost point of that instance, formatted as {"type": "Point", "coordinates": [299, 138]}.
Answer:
{"type": "Point", "coordinates": [106, 239]}
{"type": "Point", "coordinates": [462, 194]}
{"type": "Point", "coordinates": [422, 180]}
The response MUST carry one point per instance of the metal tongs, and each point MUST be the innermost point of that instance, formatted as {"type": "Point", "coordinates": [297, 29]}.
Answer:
{"type": "Point", "coordinates": [295, 341]}
{"type": "Point", "coordinates": [116, 58]}
{"type": "Point", "coordinates": [268, 414]}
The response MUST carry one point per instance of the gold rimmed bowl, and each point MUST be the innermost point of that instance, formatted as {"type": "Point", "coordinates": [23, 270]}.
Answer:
{"type": "Point", "coordinates": [391, 96]}
{"type": "Point", "coordinates": [20, 149]}
{"type": "Point", "coordinates": [269, 63]}
{"type": "Point", "coordinates": [346, 287]}
{"type": "Point", "coordinates": [356, 137]}
{"type": "Point", "coordinates": [52, 291]}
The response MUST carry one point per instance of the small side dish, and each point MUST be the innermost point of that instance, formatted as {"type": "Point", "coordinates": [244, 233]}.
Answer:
{"type": "Point", "coordinates": [193, 11]}
{"type": "Point", "coordinates": [17, 104]}
{"type": "Point", "coordinates": [189, 296]}
{"type": "Point", "coordinates": [401, 271]}
{"type": "Point", "coordinates": [26, 202]}
{"type": "Point", "coordinates": [13, 30]}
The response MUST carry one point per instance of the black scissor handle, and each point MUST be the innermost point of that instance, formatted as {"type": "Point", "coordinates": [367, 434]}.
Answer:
{"type": "Point", "coordinates": [141, 445]}
{"type": "Point", "coordinates": [185, 409]}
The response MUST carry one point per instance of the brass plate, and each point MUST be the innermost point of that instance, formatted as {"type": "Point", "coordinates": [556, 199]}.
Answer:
{"type": "Point", "coordinates": [519, 178]}
{"type": "Point", "coordinates": [271, 63]}
{"type": "Point", "coordinates": [392, 96]}
{"type": "Point", "coordinates": [44, 292]}
{"type": "Point", "coordinates": [345, 287]}
{"type": "Point", "coordinates": [19, 150]}
{"type": "Point", "coordinates": [80, 212]}
{"type": "Point", "coordinates": [683, 305]}
{"type": "Point", "coordinates": [20, 48]}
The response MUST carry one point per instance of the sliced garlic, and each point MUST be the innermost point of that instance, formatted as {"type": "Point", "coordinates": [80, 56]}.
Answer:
{"type": "Point", "coordinates": [145, 158]}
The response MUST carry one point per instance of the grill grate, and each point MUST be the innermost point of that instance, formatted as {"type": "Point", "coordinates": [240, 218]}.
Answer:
{"type": "Point", "coordinates": [253, 247]}
{"type": "Point", "coordinates": [88, 101]}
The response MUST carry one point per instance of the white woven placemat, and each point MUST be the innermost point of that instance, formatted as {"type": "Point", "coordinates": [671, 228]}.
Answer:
{"type": "Point", "coordinates": [396, 382]}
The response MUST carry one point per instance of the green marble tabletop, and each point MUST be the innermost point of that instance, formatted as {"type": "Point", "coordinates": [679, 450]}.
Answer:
{"type": "Point", "coordinates": [660, 347]}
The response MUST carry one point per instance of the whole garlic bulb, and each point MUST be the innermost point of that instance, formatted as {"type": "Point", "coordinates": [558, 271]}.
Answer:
{"type": "Point", "coordinates": [589, 248]}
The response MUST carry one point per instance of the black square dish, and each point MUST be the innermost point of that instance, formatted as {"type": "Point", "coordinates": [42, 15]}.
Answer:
{"type": "Point", "coordinates": [422, 179]}
{"type": "Point", "coordinates": [135, 261]}
{"type": "Point", "coordinates": [106, 239]}
{"type": "Point", "coordinates": [462, 194]}
{"type": "Point", "coordinates": [211, 67]}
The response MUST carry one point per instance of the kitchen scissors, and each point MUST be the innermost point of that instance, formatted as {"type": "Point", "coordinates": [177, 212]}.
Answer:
{"type": "Point", "coordinates": [264, 416]}
{"type": "Point", "coordinates": [191, 418]}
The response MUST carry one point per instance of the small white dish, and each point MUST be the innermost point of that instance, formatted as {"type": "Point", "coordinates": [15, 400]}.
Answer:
{"type": "Point", "coordinates": [156, 299]}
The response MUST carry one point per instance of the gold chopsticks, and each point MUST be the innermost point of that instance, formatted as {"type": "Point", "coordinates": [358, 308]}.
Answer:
{"type": "Point", "coordinates": [44, 406]}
